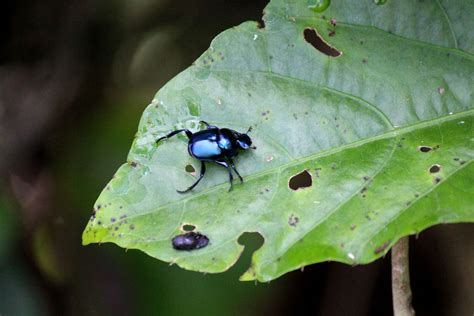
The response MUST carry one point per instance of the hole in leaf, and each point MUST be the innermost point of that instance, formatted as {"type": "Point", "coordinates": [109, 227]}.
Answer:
{"type": "Point", "coordinates": [424, 149]}
{"type": "Point", "coordinates": [435, 168]}
{"type": "Point", "coordinates": [313, 38]}
{"type": "Point", "coordinates": [188, 227]}
{"type": "Point", "coordinates": [190, 169]}
{"type": "Point", "coordinates": [251, 239]}
{"type": "Point", "coordinates": [300, 181]}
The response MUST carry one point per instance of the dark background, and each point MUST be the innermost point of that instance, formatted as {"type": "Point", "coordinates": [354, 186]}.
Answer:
{"type": "Point", "coordinates": [74, 79]}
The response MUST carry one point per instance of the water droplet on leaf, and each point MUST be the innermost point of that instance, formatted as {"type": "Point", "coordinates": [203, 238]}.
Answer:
{"type": "Point", "coordinates": [318, 5]}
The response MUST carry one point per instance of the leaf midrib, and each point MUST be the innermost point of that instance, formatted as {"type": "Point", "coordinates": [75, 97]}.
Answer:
{"type": "Point", "coordinates": [324, 153]}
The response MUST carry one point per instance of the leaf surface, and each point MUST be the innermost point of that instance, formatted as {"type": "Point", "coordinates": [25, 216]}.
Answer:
{"type": "Point", "coordinates": [385, 131]}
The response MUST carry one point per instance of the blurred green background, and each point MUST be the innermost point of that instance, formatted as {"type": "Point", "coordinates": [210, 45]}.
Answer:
{"type": "Point", "coordinates": [75, 77]}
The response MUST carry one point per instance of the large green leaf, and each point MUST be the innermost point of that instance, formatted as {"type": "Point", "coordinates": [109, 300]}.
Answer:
{"type": "Point", "coordinates": [385, 130]}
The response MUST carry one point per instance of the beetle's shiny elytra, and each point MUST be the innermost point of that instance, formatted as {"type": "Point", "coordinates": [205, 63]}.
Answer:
{"type": "Point", "coordinates": [189, 241]}
{"type": "Point", "coordinates": [217, 145]}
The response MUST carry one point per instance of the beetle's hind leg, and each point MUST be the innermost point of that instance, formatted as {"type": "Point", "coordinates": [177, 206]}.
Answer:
{"type": "Point", "coordinates": [233, 167]}
{"type": "Point", "coordinates": [187, 131]}
{"type": "Point", "coordinates": [203, 171]}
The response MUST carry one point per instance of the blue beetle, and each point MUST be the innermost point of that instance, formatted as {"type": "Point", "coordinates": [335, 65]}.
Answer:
{"type": "Point", "coordinates": [217, 145]}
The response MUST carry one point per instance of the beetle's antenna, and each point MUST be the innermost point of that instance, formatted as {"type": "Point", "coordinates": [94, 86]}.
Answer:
{"type": "Point", "coordinates": [249, 130]}
{"type": "Point", "coordinates": [253, 147]}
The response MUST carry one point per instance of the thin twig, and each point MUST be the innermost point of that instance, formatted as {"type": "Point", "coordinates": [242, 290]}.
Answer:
{"type": "Point", "coordinates": [401, 290]}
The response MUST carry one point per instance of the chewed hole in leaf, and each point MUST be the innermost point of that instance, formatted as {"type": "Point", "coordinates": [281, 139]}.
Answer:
{"type": "Point", "coordinates": [251, 238]}
{"type": "Point", "coordinates": [300, 181]}
{"type": "Point", "coordinates": [190, 169]}
{"type": "Point", "coordinates": [424, 149]}
{"type": "Point", "coordinates": [188, 227]}
{"type": "Point", "coordinates": [435, 168]}
{"type": "Point", "coordinates": [313, 38]}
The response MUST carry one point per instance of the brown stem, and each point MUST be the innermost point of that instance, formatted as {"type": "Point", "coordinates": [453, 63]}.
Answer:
{"type": "Point", "coordinates": [401, 290]}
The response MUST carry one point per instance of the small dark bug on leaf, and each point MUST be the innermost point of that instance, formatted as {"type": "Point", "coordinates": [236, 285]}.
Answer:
{"type": "Point", "coordinates": [217, 145]}
{"type": "Point", "coordinates": [189, 241]}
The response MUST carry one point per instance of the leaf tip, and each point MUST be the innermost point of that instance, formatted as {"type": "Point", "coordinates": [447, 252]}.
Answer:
{"type": "Point", "coordinates": [248, 275]}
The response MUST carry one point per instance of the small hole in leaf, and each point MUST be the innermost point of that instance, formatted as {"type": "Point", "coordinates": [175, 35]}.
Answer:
{"type": "Point", "coordinates": [435, 168]}
{"type": "Point", "coordinates": [313, 38]}
{"type": "Point", "coordinates": [190, 169]}
{"type": "Point", "coordinates": [188, 227]}
{"type": "Point", "coordinates": [300, 181]}
{"type": "Point", "coordinates": [424, 149]}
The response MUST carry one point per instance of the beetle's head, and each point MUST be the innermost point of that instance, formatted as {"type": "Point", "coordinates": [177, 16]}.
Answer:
{"type": "Point", "coordinates": [244, 141]}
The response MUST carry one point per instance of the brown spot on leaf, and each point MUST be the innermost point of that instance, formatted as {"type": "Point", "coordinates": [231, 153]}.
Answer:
{"type": "Point", "coordinates": [382, 247]}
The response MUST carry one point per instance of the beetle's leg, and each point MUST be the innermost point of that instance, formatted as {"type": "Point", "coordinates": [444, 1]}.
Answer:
{"type": "Point", "coordinates": [231, 162]}
{"type": "Point", "coordinates": [188, 133]}
{"type": "Point", "coordinates": [231, 177]}
{"type": "Point", "coordinates": [203, 171]}
{"type": "Point", "coordinates": [208, 126]}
